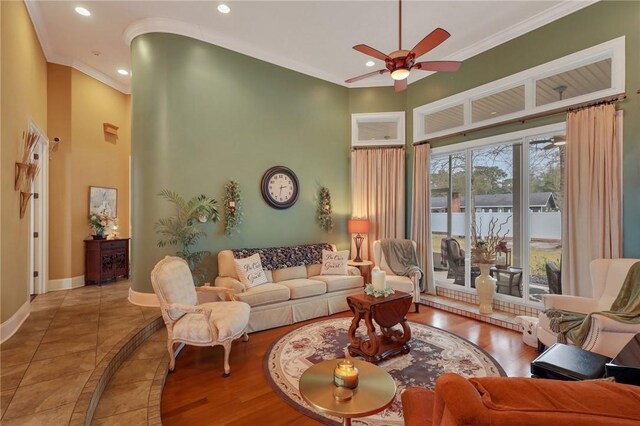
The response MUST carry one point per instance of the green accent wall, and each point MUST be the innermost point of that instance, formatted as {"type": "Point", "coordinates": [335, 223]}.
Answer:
{"type": "Point", "coordinates": [203, 115]}
{"type": "Point", "coordinates": [588, 27]}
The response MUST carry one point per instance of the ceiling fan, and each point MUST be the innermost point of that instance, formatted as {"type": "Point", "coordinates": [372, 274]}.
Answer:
{"type": "Point", "coordinates": [551, 142]}
{"type": "Point", "coordinates": [401, 62]}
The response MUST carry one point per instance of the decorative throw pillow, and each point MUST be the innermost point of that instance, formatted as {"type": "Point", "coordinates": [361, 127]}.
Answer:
{"type": "Point", "coordinates": [250, 271]}
{"type": "Point", "coordinates": [334, 262]}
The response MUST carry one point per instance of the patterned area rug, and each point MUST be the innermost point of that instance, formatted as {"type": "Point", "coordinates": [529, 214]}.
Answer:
{"type": "Point", "coordinates": [433, 352]}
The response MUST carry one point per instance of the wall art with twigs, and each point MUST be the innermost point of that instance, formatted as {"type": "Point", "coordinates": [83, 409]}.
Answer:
{"type": "Point", "coordinates": [26, 170]}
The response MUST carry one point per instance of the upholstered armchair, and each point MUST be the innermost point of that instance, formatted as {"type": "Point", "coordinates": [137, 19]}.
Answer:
{"type": "Point", "coordinates": [198, 316]}
{"type": "Point", "coordinates": [606, 336]}
{"type": "Point", "coordinates": [409, 284]}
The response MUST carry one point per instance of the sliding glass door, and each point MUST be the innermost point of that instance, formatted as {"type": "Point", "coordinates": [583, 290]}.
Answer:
{"type": "Point", "coordinates": [511, 186]}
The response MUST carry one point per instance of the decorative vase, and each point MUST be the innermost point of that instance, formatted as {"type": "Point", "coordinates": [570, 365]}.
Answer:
{"type": "Point", "coordinates": [99, 235]}
{"type": "Point", "coordinates": [485, 286]}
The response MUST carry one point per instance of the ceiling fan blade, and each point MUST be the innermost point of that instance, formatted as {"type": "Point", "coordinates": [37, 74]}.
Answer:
{"type": "Point", "coordinates": [362, 77]}
{"type": "Point", "coordinates": [446, 66]}
{"type": "Point", "coordinates": [431, 41]}
{"type": "Point", "coordinates": [400, 85]}
{"type": "Point", "coordinates": [368, 50]}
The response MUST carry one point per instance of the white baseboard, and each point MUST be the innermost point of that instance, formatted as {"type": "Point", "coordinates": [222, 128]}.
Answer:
{"type": "Point", "coordinates": [10, 326]}
{"type": "Point", "coordinates": [143, 299]}
{"type": "Point", "coordinates": [65, 283]}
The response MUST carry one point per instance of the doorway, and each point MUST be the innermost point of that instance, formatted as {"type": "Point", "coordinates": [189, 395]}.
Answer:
{"type": "Point", "coordinates": [39, 217]}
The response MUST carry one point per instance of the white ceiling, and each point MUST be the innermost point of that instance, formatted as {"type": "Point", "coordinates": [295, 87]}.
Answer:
{"type": "Point", "coordinates": [312, 37]}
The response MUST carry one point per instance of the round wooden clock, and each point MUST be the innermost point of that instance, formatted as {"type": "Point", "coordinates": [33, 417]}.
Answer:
{"type": "Point", "coordinates": [280, 187]}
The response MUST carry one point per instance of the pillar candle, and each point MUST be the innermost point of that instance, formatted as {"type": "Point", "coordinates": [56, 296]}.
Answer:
{"type": "Point", "coordinates": [378, 279]}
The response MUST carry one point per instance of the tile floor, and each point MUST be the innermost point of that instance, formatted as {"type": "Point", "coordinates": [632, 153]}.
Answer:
{"type": "Point", "coordinates": [45, 365]}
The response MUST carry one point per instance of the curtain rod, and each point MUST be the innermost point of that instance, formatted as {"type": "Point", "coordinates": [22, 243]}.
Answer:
{"type": "Point", "coordinates": [608, 100]}
{"type": "Point", "coordinates": [355, 148]}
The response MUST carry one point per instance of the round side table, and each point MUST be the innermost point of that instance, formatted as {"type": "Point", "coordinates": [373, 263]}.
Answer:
{"type": "Point", "coordinates": [364, 267]}
{"type": "Point", "coordinates": [375, 392]}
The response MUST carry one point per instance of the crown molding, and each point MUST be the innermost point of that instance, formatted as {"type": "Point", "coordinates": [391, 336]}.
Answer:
{"type": "Point", "coordinates": [171, 26]}
{"type": "Point", "coordinates": [207, 35]}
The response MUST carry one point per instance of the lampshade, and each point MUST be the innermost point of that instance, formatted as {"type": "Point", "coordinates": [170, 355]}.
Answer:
{"type": "Point", "coordinates": [400, 74]}
{"type": "Point", "coordinates": [358, 226]}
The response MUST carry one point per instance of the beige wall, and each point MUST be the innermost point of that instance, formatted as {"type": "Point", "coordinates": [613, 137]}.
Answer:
{"type": "Point", "coordinates": [86, 157]}
{"type": "Point", "coordinates": [24, 97]}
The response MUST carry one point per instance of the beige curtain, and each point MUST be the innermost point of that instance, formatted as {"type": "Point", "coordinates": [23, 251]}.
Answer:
{"type": "Point", "coordinates": [378, 185]}
{"type": "Point", "coordinates": [592, 219]}
{"type": "Point", "coordinates": [420, 212]}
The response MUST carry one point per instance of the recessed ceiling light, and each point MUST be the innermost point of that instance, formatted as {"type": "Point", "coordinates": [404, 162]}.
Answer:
{"type": "Point", "coordinates": [493, 113]}
{"type": "Point", "coordinates": [370, 63]}
{"type": "Point", "coordinates": [82, 11]}
{"type": "Point", "coordinates": [223, 8]}
{"type": "Point", "coordinates": [122, 71]}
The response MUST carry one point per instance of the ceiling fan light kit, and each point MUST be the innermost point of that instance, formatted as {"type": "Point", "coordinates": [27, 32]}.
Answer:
{"type": "Point", "coordinates": [400, 62]}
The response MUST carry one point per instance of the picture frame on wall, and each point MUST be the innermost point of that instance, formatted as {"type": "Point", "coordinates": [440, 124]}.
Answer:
{"type": "Point", "coordinates": [103, 200]}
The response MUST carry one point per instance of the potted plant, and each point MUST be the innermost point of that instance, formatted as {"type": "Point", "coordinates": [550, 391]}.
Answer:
{"type": "Point", "coordinates": [99, 223]}
{"type": "Point", "coordinates": [183, 229]}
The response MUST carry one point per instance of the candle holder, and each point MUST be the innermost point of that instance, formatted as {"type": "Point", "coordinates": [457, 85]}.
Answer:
{"type": "Point", "coordinates": [345, 374]}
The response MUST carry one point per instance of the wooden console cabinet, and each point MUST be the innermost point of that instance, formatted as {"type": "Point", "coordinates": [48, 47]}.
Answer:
{"type": "Point", "coordinates": [106, 260]}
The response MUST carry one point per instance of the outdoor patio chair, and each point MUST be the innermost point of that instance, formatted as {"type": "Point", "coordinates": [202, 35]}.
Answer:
{"type": "Point", "coordinates": [553, 278]}
{"type": "Point", "coordinates": [456, 258]}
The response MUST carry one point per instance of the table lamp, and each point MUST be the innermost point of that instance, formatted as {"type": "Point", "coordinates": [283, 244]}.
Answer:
{"type": "Point", "coordinates": [358, 227]}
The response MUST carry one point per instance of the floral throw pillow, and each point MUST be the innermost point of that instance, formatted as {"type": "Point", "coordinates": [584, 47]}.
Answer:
{"type": "Point", "coordinates": [335, 262]}
{"type": "Point", "coordinates": [250, 271]}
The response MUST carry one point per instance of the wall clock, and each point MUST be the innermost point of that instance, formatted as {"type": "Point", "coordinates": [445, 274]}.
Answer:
{"type": "Point", "coordinates": [280, 187]}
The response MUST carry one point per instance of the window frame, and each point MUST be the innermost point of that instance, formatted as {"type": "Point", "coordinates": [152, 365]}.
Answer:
{"type": "Point", "coordinates": [523, 137]}
{"type": "Point", "coordinates": [612, 49]}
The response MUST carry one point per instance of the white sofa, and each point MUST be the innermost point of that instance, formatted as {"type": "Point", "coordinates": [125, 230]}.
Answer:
{"type": "Point", "coordinates": [606, 336]}
{"type": "Point", "coordinates": [292, 294]}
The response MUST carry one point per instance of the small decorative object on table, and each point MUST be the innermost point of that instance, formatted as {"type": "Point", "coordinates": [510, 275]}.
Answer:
{"type": "Point", "coordinates": [232, 207]}
{"type": "Point", "coordinates": [324, 211]}
{"type": "Point", "coordinates": [345, 374]}
{"type": "Point", "coordinates": [483, 253]}
{"type": "Point", "coordinates": [99, 223]}
{"type": "Point", "coordinates": [378, 286]}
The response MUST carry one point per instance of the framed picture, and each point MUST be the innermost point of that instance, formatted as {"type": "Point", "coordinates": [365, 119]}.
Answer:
{"type": "Point", "coordinates": [103, 200]}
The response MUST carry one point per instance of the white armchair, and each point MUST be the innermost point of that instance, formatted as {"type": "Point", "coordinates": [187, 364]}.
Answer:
{"type": "Point", "coordinates": [409, 284]}
{"type": "Point", "coordinates": [606, 336]}
{"type": "Point", "coordinates": [198, 316]}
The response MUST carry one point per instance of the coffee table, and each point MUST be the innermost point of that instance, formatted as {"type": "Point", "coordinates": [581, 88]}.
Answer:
{"type": "Point", "coordinates": [386, 312]}
{"type": "Point", "coordinates": [375, 392]}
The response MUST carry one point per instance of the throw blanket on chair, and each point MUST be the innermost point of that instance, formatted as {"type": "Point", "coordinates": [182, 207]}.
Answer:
{"type": "Point", "coordinates": [402, 259]}
{"type": "Point", "coordinates": [626, 308]}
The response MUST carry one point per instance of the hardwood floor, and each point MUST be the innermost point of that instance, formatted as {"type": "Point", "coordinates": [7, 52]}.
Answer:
{"type": "Point", "coordinates": [197, 394]}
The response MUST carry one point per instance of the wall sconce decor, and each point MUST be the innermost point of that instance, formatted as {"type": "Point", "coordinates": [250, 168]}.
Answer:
{"type": "Point", "coordinates": [26, 170]}
{"type": "Point", "coordinates": [324, 210]}
{"type": "Point", "coordinates": [232, 207]}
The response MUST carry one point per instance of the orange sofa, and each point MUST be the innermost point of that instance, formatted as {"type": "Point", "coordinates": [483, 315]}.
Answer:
{"type": "Point", "coordinates": [519, 401]}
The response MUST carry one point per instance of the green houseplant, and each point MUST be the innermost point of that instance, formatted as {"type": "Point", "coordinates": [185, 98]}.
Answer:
{"type": "Point", "coordinates": [184, 228]}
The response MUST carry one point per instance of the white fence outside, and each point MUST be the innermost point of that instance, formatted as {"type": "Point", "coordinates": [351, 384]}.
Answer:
{"type": "Point", "coordinates": [543, 225]}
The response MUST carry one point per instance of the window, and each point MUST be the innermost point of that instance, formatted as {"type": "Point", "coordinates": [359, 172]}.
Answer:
{"type": "Point", "coordinates": [594, 73]}
{"type": "Point", "coordinates": [377, 129]}
{"type": "Point", "coordinates": [512, 182]}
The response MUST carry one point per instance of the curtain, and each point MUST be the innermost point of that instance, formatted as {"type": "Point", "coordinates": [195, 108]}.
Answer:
{"type": "Point", "coordinates": [592, 219]}
{"type": "Point", "coordinates": [421, 212]}
{"type": "Point", "coordinates": [378, 185]}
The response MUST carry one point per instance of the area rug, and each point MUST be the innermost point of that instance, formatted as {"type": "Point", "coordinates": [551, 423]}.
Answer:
{"type": "Point", "coordinates": [433, 353]}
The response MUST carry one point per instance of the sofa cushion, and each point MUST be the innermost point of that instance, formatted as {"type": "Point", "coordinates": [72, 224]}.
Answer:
{"type": "Point", "coordinates": [250, 271]}
{"type": "Point", "coordinates": [417, 406]}
{"type": "Point", "coordinates": [339, 282]}
{"type": "Point", "coordinates": [313, 270]}
{"type": "Point", "coordinates": [302, 287]}
{"type": "Point", "coordinates": [334, 262]}
{"type": "Point", "coordinates": [265, 293]}
{"type": "Point", "coordinates": [291, 273]}
{"type": "Point", "coordinates": [400, 283]}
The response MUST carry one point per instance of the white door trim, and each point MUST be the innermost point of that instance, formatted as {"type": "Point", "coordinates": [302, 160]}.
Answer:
{"type": "Point", "coordinates": [39, 216]}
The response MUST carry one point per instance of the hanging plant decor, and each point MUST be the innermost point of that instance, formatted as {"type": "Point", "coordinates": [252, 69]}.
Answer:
{"type": "Point", "coordinates": [232, 207]}
{"type": "Point", "coordinates": [324, 211]}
